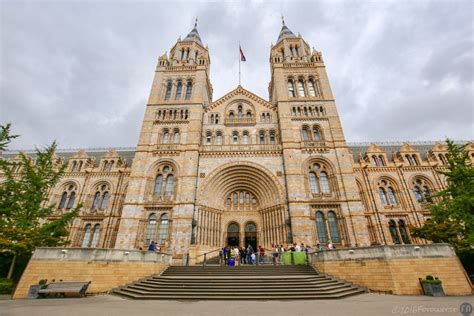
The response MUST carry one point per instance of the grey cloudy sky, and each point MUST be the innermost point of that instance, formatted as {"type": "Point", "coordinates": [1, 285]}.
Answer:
{"type": "Point", "coordinates": [80, 71]}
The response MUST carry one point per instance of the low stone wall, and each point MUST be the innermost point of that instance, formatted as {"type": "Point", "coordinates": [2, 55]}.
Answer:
{"type": "Point", "coordinates": [396, 269]}
{"type": "Point", "coordinates": [105, 268]}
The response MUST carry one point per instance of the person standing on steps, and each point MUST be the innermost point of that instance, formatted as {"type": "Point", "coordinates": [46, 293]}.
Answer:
{"type": "Point", "coordinates": [261, 257]}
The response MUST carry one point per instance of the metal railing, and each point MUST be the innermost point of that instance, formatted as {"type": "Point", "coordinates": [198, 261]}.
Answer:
{"type": "Point", "coordinates": [204, 261]}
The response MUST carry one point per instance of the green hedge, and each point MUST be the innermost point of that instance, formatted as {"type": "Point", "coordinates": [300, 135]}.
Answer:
{"type": "Point", "coordinates": [6, 286]}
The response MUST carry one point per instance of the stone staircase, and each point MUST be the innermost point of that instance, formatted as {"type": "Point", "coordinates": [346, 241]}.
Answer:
{"type": "Point", "coordinates": [266, 282]}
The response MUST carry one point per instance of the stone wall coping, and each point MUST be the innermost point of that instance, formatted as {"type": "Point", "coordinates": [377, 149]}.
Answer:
{"type": "Point", "coordinates": [386, 252]}
{"type": "Point", "coordinates": [97, 254]}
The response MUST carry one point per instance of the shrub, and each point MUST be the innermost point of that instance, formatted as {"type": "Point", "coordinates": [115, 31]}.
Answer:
{"type": "Point", "coordinates": [6, 286]}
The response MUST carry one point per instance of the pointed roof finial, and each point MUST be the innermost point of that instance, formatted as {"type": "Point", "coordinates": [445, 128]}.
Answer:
{"type": "Point", "coordinates": [282, 20]}
{"type": "Point", "coordinates": [196, 23]}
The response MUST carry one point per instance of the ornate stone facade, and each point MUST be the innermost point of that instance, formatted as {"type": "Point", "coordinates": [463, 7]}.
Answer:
{"type": "Point", "coordinates": [242, 169]}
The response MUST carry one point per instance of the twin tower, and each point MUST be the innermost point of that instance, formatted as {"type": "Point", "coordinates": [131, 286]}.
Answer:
{"type": "Point", "coordinates": [241, 170]}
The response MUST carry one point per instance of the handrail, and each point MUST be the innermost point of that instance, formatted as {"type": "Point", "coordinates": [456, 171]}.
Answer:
{"type": "Point", "coordinates": [218, 249]}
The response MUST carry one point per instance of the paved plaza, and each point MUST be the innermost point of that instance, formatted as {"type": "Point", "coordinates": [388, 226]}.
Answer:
{"type": "Point", "coordinates": [365, 304]}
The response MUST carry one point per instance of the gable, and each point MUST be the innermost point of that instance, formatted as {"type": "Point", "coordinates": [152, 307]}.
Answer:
{"type": "Point", "coordinates": [242, 95]}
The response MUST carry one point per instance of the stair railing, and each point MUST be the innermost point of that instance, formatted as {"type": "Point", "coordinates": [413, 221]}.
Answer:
{"type": "Point", "coordinates": [205, 255]}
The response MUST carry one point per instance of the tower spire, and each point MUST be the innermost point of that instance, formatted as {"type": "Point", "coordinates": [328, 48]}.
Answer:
{"type": "Point", "coordinates": [285, 31]}
{"type": "Point", "coordinates": [193, 36]}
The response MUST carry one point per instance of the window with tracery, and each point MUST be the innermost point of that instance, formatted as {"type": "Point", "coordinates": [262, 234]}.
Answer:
{"type": "Point", "coordinates": [164, 182]}
{"type": "Point", "coordinates": [387, 193]}
{"type": "Point", "coordinates": [318, 179]}
{"type": "Point", "coordinates": [169, 87]}
{"type": "Point", "coordinates": [101, 197]}
{"type": "Point", "coordinates": [311, 88]}
{"type": "Point", "coordinates": [189, 90]}
{"type": "Point", "coordinates": [68, 197]}
{"type": "Point", "coordinates": [301, 91]}
{"type": "Point", "coordinates": [91, 236]}
{"type": "Point", "coordinates": [421, 189]}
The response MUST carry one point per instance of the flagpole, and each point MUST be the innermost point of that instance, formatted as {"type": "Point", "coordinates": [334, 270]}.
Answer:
{"type": "Point", "coordinates": [240, 59]}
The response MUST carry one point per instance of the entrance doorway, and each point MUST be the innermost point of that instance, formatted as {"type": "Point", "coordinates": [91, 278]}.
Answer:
{"type": "Point", "coordinates": [233, 235]}
{"type": "Point", "coordinates": [251, 235]}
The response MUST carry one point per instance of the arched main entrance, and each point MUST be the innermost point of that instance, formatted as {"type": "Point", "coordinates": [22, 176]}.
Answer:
{"type": "Point", "coordinates": [233, 234]}
{"type": "Point", "coordinates": [251, 235]}
{"type": "Point", "coordinates": [241, 203]}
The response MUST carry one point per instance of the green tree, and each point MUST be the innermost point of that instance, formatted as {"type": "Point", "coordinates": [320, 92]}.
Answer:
{"type": "Point", "coordinates": [452, 216]}
{"type": "Point", "coordinates": [27, 218]}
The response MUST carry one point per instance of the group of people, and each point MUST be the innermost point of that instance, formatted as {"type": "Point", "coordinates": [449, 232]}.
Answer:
{"type": "Point", "coordinates": [153, 247]}
{"type": "Point", "coordinates": [233, 255]}
{"type": "Point", "coordinates": [329, 246]}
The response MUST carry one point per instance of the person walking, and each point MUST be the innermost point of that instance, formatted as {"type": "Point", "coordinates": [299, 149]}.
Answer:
{"type": "Point", "coordinates": [249, 254]}
{"type": "Point", "coordinates": [261, 257]}
{"type": "Point", "coordinates": [274, 254]}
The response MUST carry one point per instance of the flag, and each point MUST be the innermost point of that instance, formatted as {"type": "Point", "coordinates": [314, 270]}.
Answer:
{"type": "Point", "coordinates": [242, 56]}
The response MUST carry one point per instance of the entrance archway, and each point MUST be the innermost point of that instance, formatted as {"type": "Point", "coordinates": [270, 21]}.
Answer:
{"type": "Point", "coordinates": [251, 235]}
{"type": "Point", "coordinates": [233, 234]}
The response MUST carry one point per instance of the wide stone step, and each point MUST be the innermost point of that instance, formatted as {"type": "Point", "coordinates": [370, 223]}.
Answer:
{"type": "Point", "coordinates": [243, 296]}
{"type": "Point", "coordinates": [242, 282]}
{"type": "Point", "coordinates": [272, 288]}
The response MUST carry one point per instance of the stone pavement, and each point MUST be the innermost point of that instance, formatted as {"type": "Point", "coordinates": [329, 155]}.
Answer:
{"type": "Point", "coordinates": [365, 304]}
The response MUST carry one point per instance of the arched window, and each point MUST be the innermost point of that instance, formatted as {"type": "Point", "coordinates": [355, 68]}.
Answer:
{"type": "Point", "coordinates": [313, 184]}
{"type": "Point", "coordinates": [95, 236]}
{"type": "Point", "coordinates": [249, 114]}
{"type": "Point", "coordinates": [415, 160]}
{"type": "Point", "coordinates": [169, 188]}
{"type": "Point", "coordinates": [79, 166]}
{"type": "Point", "coordinates": [391, 196]}
{"type": "Point", "coordinates": [236, 198]}
{"type": "Point", "coordinates": [427, 194]}
{"type": "Point", "coordinates": [403, 232]}
{"type": "Point", "coordinates": [245, 138]}
{"type": "Point", "coordinates": [239, 111]}
{"type": "Point", "coordinates": [422, 190]}
{"type": "Point", "coordinates": [333, 228]}
{"type": "Point", "coordinates": [70, 203]}
{"type": "Point", "coordinates": [163, 229]}
{"type": "Point", "coordinates": [392, 226]}
{"type": "Point", "coordinates": [324, 182]}
{"type": "Point", "coordinates": [73, 166]}
{"type": "Point", "coordinates": [272, 138]}
{"type": "Point", "coordinates": [189, 90]}
{"type": "Point", "coordinates": [219, 138]}
{"type": "Point", "coordinates": [231, 116]}
{"type": "Point", "coordinates": [305, 133]}
{"type": "Point", "coordinates": [443, 159]}
{"type": "Point", "coordinates": [87, 236]}
{"type": "Point", "coordinates": [235, 138]}
{"type": "Point", "coordinates": [387, 193]}
{"type": "Point", "coordinates": [381, 160]}
{"type": "Point", "coordinates": [105, 200]}
{"type": "Point", "coordinates": [311, 88]}
{"type": "Point", "coordinates": [150, 229]}
{"type": "Point", "coordinates": [261, 138]}
{"type": "Point", "coordinates": [410, 160]}
{"type": "Point", "coordinates": [321, 228]}
{"type": "Point", "coordinates": [176, 137]}
{"type": "Point", "coordinates": [316, 133]}
{"type": "Point", "coordinates": [318, 179]}
{"type": "Point", "coordinates": [62, 202]}
{"type": "Point", "coordinates": [158, 184]}
{"type": "Point", "coordinates": [166, 137]}
{"type": "Point", "coordinates": [179, 90]}
{"type": "Point", "coordinates": [383, 196]}
{"type": "Point", "coordinates": [95, 203]}
{"type": "Point", "coordinates": [247, 198]}
{"type": "Point", "coordinates": [169, 86]}
{"type": "Point", "coordinates": [208, 138]}
{"type": "Point", "coordinates": [291, 88]}
{"type": "Point", "coordinates": [241, 200]}
{"type": "Point", "coordinates": [109, 167]}
{"type": "Point", "coordinates": [418, 194]}
{"type": "Point", "coordinates": [301, 88]}
{"type": "Point", "coordinates": [374, 160]}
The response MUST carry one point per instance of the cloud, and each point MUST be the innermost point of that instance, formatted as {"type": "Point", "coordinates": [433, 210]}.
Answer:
{"type": "Point", "coordinates": [80, 72]}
